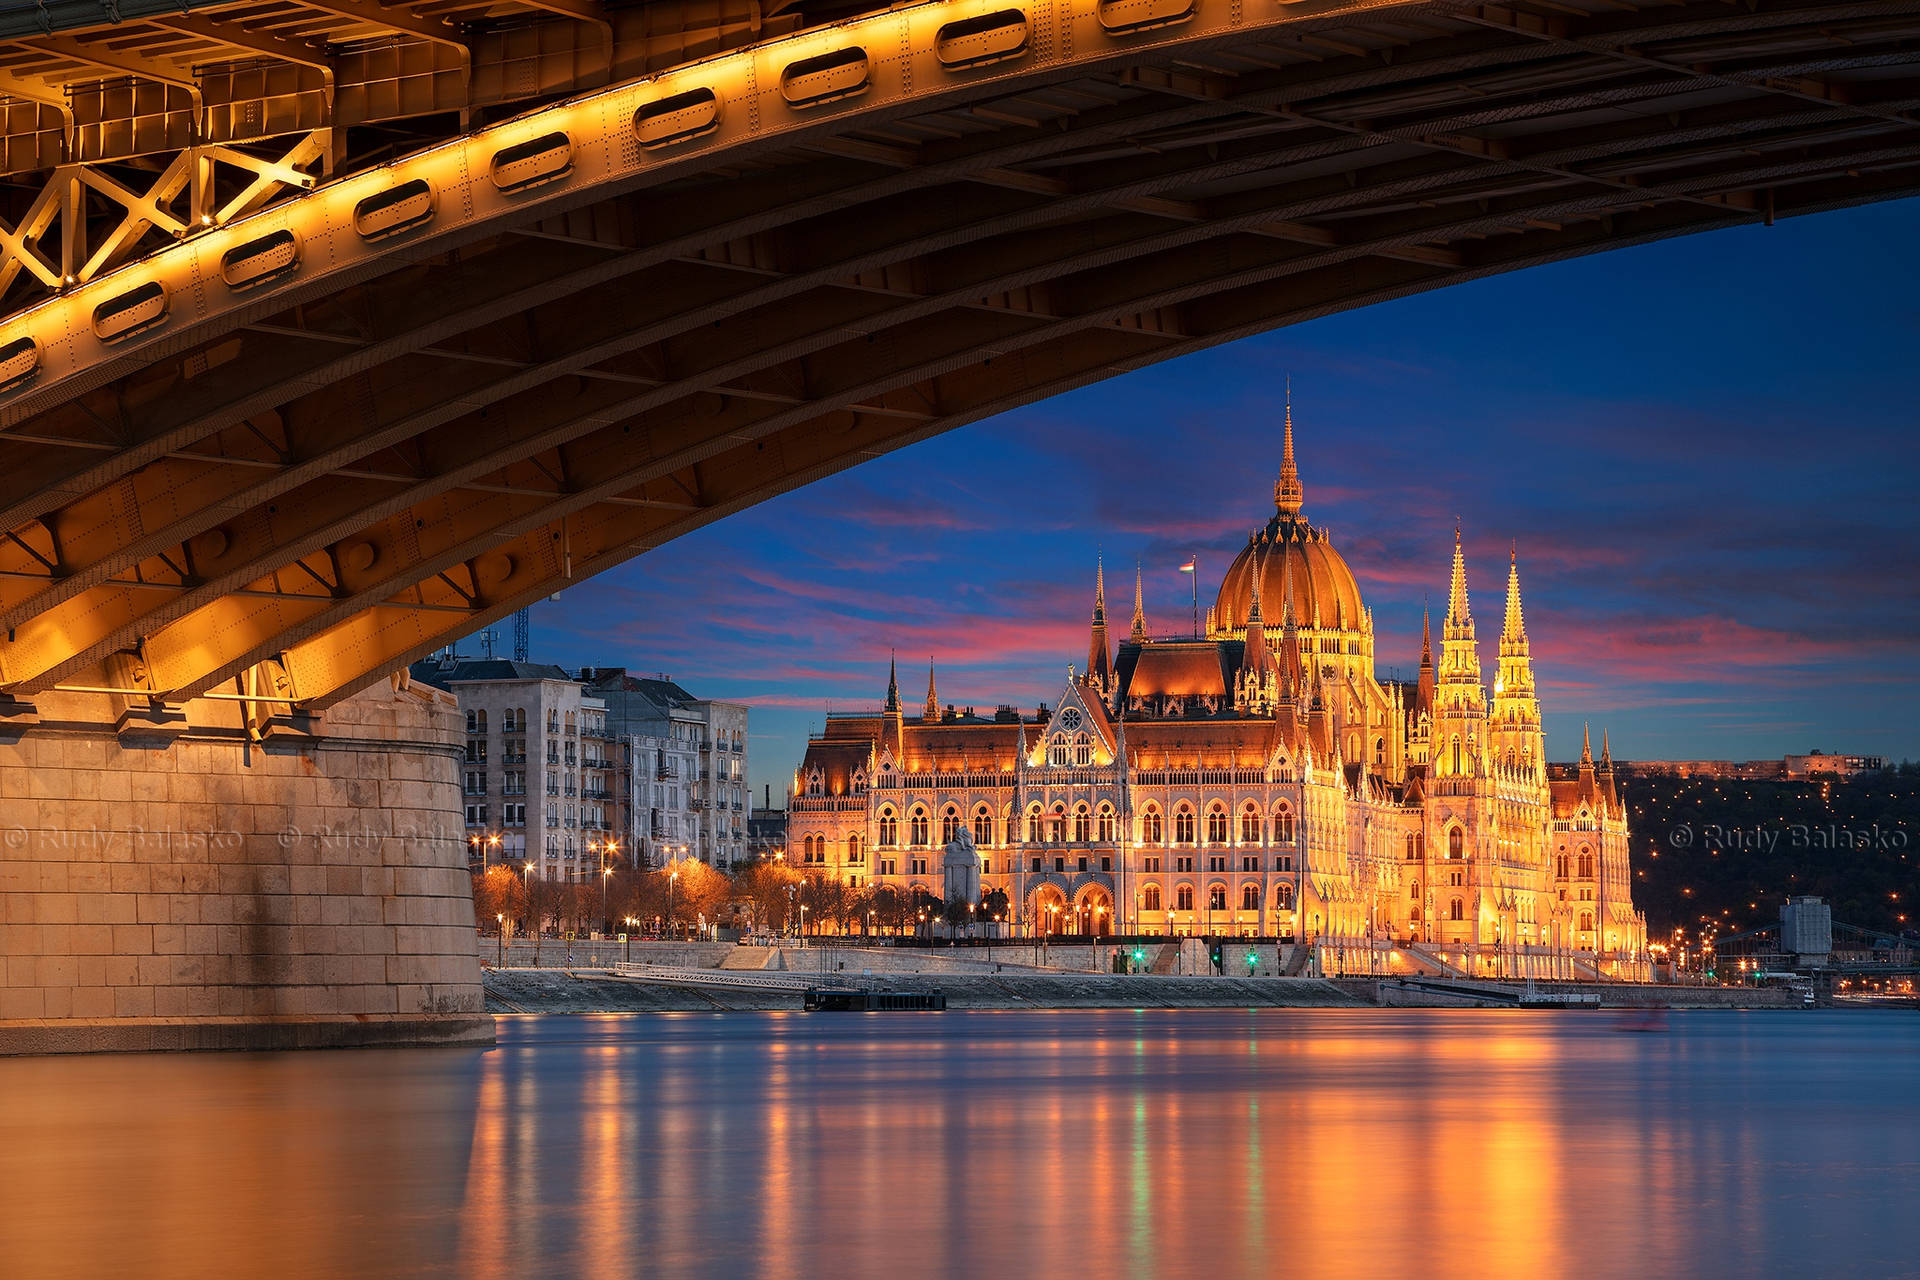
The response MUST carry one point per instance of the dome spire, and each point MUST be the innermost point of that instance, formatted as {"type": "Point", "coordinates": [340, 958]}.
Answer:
{"type": "Point", "coordinates": [1286, 492]}
{"type": "Point", "coordinates": [893, 682]}
{"type": "Point", "coordinates": [1099, 660]}
{"type": "Point", "coordinates": [933, 696]}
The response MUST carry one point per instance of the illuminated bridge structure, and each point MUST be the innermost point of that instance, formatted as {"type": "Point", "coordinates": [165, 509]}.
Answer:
{"type": "Point", "coordinates": [333, 330]}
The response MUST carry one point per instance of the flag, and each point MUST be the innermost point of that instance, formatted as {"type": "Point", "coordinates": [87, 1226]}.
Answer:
{"type": "Point", "coordinates": [1187, 567]}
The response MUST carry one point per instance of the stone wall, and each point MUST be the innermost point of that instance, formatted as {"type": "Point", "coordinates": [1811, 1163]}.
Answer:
{"type": "Point", "coordinates": [210, 879]}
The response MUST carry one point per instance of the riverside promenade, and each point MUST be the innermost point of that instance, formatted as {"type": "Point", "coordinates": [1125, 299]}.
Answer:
{"type": "Point", "coordinates": [706, 977]}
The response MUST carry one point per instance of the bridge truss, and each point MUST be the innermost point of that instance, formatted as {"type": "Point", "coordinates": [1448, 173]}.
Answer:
{"type": "Point", "coordinates": [330, 391]}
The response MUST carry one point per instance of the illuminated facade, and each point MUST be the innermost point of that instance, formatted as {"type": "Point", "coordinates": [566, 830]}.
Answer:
{"type": "Point", "coordinates": [1257, 779]}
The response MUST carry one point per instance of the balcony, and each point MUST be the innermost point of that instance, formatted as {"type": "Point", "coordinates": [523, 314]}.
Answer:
{"type": "Point", "coordinates": [514, 757]}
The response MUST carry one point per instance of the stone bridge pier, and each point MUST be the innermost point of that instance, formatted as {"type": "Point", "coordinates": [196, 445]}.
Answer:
{"type": "Point", "coordinates": [232, 874]}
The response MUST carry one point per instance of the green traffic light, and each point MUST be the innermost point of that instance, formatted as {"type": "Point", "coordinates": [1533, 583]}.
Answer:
{"type": "Point", "coordinates": [1252, 959]}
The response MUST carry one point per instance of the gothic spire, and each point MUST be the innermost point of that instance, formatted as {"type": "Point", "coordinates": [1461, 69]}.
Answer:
{"type": "Point", "coordinates": [1138, 633]}
{"type": "Point", "coordinates": [1099, 658]}
{"type": "Point", "coordinates": [1516, 624]}
{"type": "Point", "coordinates": [932, 713]}
{"type": "Point", "coordinates": [1458, 612]}
{"type": "Point", "coordinates": [893, 683]}
{"type": "Point", "coordinates": [1257, 659]}
{"type": "Point", "coordinates": [1586, 747]}
{"type": "Point", "coordinates": [1286, 492]}
{"type": "Point", "coordinates": [1606, 752]}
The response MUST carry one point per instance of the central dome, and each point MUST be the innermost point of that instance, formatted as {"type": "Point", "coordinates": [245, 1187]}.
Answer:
{"type": "Point", "coordinates": [1290, 552]}
{"type": "Point", "coordinates": [1291, 557]}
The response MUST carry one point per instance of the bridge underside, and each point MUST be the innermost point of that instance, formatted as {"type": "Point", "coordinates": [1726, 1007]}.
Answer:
{"type": "Point", "coordinates": [303, 493]}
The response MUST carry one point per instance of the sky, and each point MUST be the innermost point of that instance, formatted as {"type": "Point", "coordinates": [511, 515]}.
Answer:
{"type": "Point", "coordinates": [1705, 451]}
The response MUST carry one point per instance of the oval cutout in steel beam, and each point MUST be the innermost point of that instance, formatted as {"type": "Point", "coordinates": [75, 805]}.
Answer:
{"type": "Point", "coordinates": [134, 311]}
{"type": "Point", "coordinates": [679, 118]}
{"type": "Point", "coordinates": [533, 163]}
{"type": "Point", "coordinates": [1119, 17]}
{"type": "Point", "coordinates": [19, 361]}
{"type": "Point", "coordinates": [827, 78]}
{"type": "Point", "coordinates": [398, 208]}
{"type": "Point", "coordinates": [256, 262]}
{"type": "Point", "coordinates": [975, 42]}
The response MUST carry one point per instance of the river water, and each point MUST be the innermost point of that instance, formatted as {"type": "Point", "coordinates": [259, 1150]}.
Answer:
{"type": "Point", "coordinates": [1082, 1144]}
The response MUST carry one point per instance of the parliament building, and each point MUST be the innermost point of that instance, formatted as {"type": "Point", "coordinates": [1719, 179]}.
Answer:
{"type": "Point", "coordinates": [1256, 780]}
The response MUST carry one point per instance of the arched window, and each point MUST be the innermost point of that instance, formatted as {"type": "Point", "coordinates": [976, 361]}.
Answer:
{"type": "Point", "coordinates": [1033, 825]}
{"type": "Point", "coordinates": [1216, 826]}
{"type": "Point", "coordinates": [1057, 752]}
{"type": "Point", "coordinates": [1456, 843]}
{"type": "Point", "coordinates": [1082, 825]}
{"type": "Point", "coordinates": [859, 784]}
{"type": "Point", "coordinates": [1586, 864]}
{"type": "Point", "coordinates": [1379, 750]}
{"type": "Point", "coordinates": [1283, 825]}
{"type": "Point", "coordinates": [816, 783]}
{"type": "Point", "coordinates": [1216, 897]}
{"type": "Point", "coordinates": [1153, 829]}
{"type": "Point", "coordinates": [1249, 897]}
{"type": "Point", "coordinates": [1250, 825]}
{"type": "Point", "coordinates": [1183, 898]}
{"type": "Point", "coordinates": [1057, 825]}
{"type": "Point", "coordinates": [1412, 854]}
{"type": "Point", "coordinates": [1083, 750]}
{"type": "Point", "coordinates": [889, 829]}
{"type": "Point", "coordinates": [1413, 890]}
{"type": "Point", "coordinates": [1150, 898]}
{"type": "Point", "coordinates": [855, 853]}
{"type": "Point", "coordinates": [1456, 757]}
{"type": "Point", "coordinates": [1183, 826]}
{"type": "Point", "coordinates": [983, 826]}
{"type": "Point", "coordinates": [1106, 825]}
{"type": "Point", "coordinates": [949, 825]}
{"type": "Point", "coordinates": [1414, 915]}
{"type": "Point", "coordinates": [1586, 921]}
{"type": "Point", "coordinates": [1283, 897]}
{"type": "Point", "coordinates": [1457, 909]}
{"type": "Point", "coordinates": [918, 826]}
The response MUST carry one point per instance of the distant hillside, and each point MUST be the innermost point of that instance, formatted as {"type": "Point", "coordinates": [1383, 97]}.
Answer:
{"type": "Point", "coordinates": [1733, 851]}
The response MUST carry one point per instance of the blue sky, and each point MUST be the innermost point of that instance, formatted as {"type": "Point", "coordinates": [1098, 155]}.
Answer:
{"type": "Point", "coordinates": [1706, 450]}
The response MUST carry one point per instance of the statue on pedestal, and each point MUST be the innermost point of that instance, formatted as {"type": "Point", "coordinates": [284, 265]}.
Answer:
{"type": "Point", "coordinates": [961, 869]}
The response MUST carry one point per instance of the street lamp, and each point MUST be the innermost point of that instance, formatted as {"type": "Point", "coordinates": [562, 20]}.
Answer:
{"type": "Point", "coordinates": [501, 920]}
{"type": "Point", "coordinates": [631, 924]}
{"type": "Point", "coordinates": [673, 881]}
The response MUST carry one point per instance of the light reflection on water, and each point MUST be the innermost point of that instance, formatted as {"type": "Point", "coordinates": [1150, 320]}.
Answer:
{"type": "Point", "coordinates": [1086, 1144]}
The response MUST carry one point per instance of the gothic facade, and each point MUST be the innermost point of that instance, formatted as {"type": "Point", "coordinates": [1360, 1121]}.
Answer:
{"type": "Point", "coordinates": [1255, 779]}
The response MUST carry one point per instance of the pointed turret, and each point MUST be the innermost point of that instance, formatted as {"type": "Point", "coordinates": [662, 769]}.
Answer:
{"type": "Point", "coordinates": [1423, 693]}
{"type": "Point", "coordinates": [1459, 613]}
{"type": "Point", "coordinates": [1286, 491]}
{"type": "Point", "coordinates": [893, 685]}
{"type": "Point", "coordinates": [1514, 632]}
{"type": "Point", "coordinates": [1099, 656]}
{"type": "Point", "coordinates": [1606, 753]}
{"type": "Point", "coordinates": [1137, 634]}
{"type": "Point", "coordinates": [1586, 747]}
{"type": "Point", "coordinates": [931, 714]}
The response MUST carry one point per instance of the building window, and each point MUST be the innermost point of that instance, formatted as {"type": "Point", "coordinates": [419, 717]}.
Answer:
{"type": "Point", "coordinates": [1249, 897]}
{"type": "Point", "coordinates": [1283, 825]}
{"type": "Point", "coordinates": [1216, 897]}
{"type": "Point", "coordinates": [1083, 750]}
{"type": "Point", "coordinates": [1249, 862]}
{"type": "Point", "coordinates": [1216, 826]}
{"type": "Point", "coordinates": [1283, 897]}
{"type": "Point", "coordinates": [1250, 826]}
{"type": "Point", "coordinates": [1183, 898]}
{"type": "Point", "coordinates": [1082, 826]}
{"type": "Point", "coordinates": [1106, 825]}
{"type": "Point", "coordinates": [917, 828]}
{"type": "Point", "coordinates": [1283, 863]}
{"type": "Point", "coordinates": [982, 826]}
{"type": "Point", "coordinates": [949, 825]}
{"type": "Point", "coordinates": [1456, 843]}
{"type": "Point", "coordinates": [1150, 898]}
{"type": "Point", "coordinates": [1412, 855]}
{"type": "Point", "coordinates": [1586, 921]}
{"type": "Point", "coordinates": [1586, 864]}
{"type": "Point", "coordinates": [1413, 890]}
{"type": "Point", "coordinates": [1152, 829]}
{"type": "Point", "coordinates": [889, 829]}
{"type": "Point", "coordinates": [1183, 826]}
{"type": "Point", "coordinates": [1033, 827]}
{"type": "Point", "coordinates": [1457, 910]}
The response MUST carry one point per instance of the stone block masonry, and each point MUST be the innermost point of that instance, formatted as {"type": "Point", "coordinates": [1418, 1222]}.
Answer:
{"type": "Point", "coordinates": [280, 882]}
